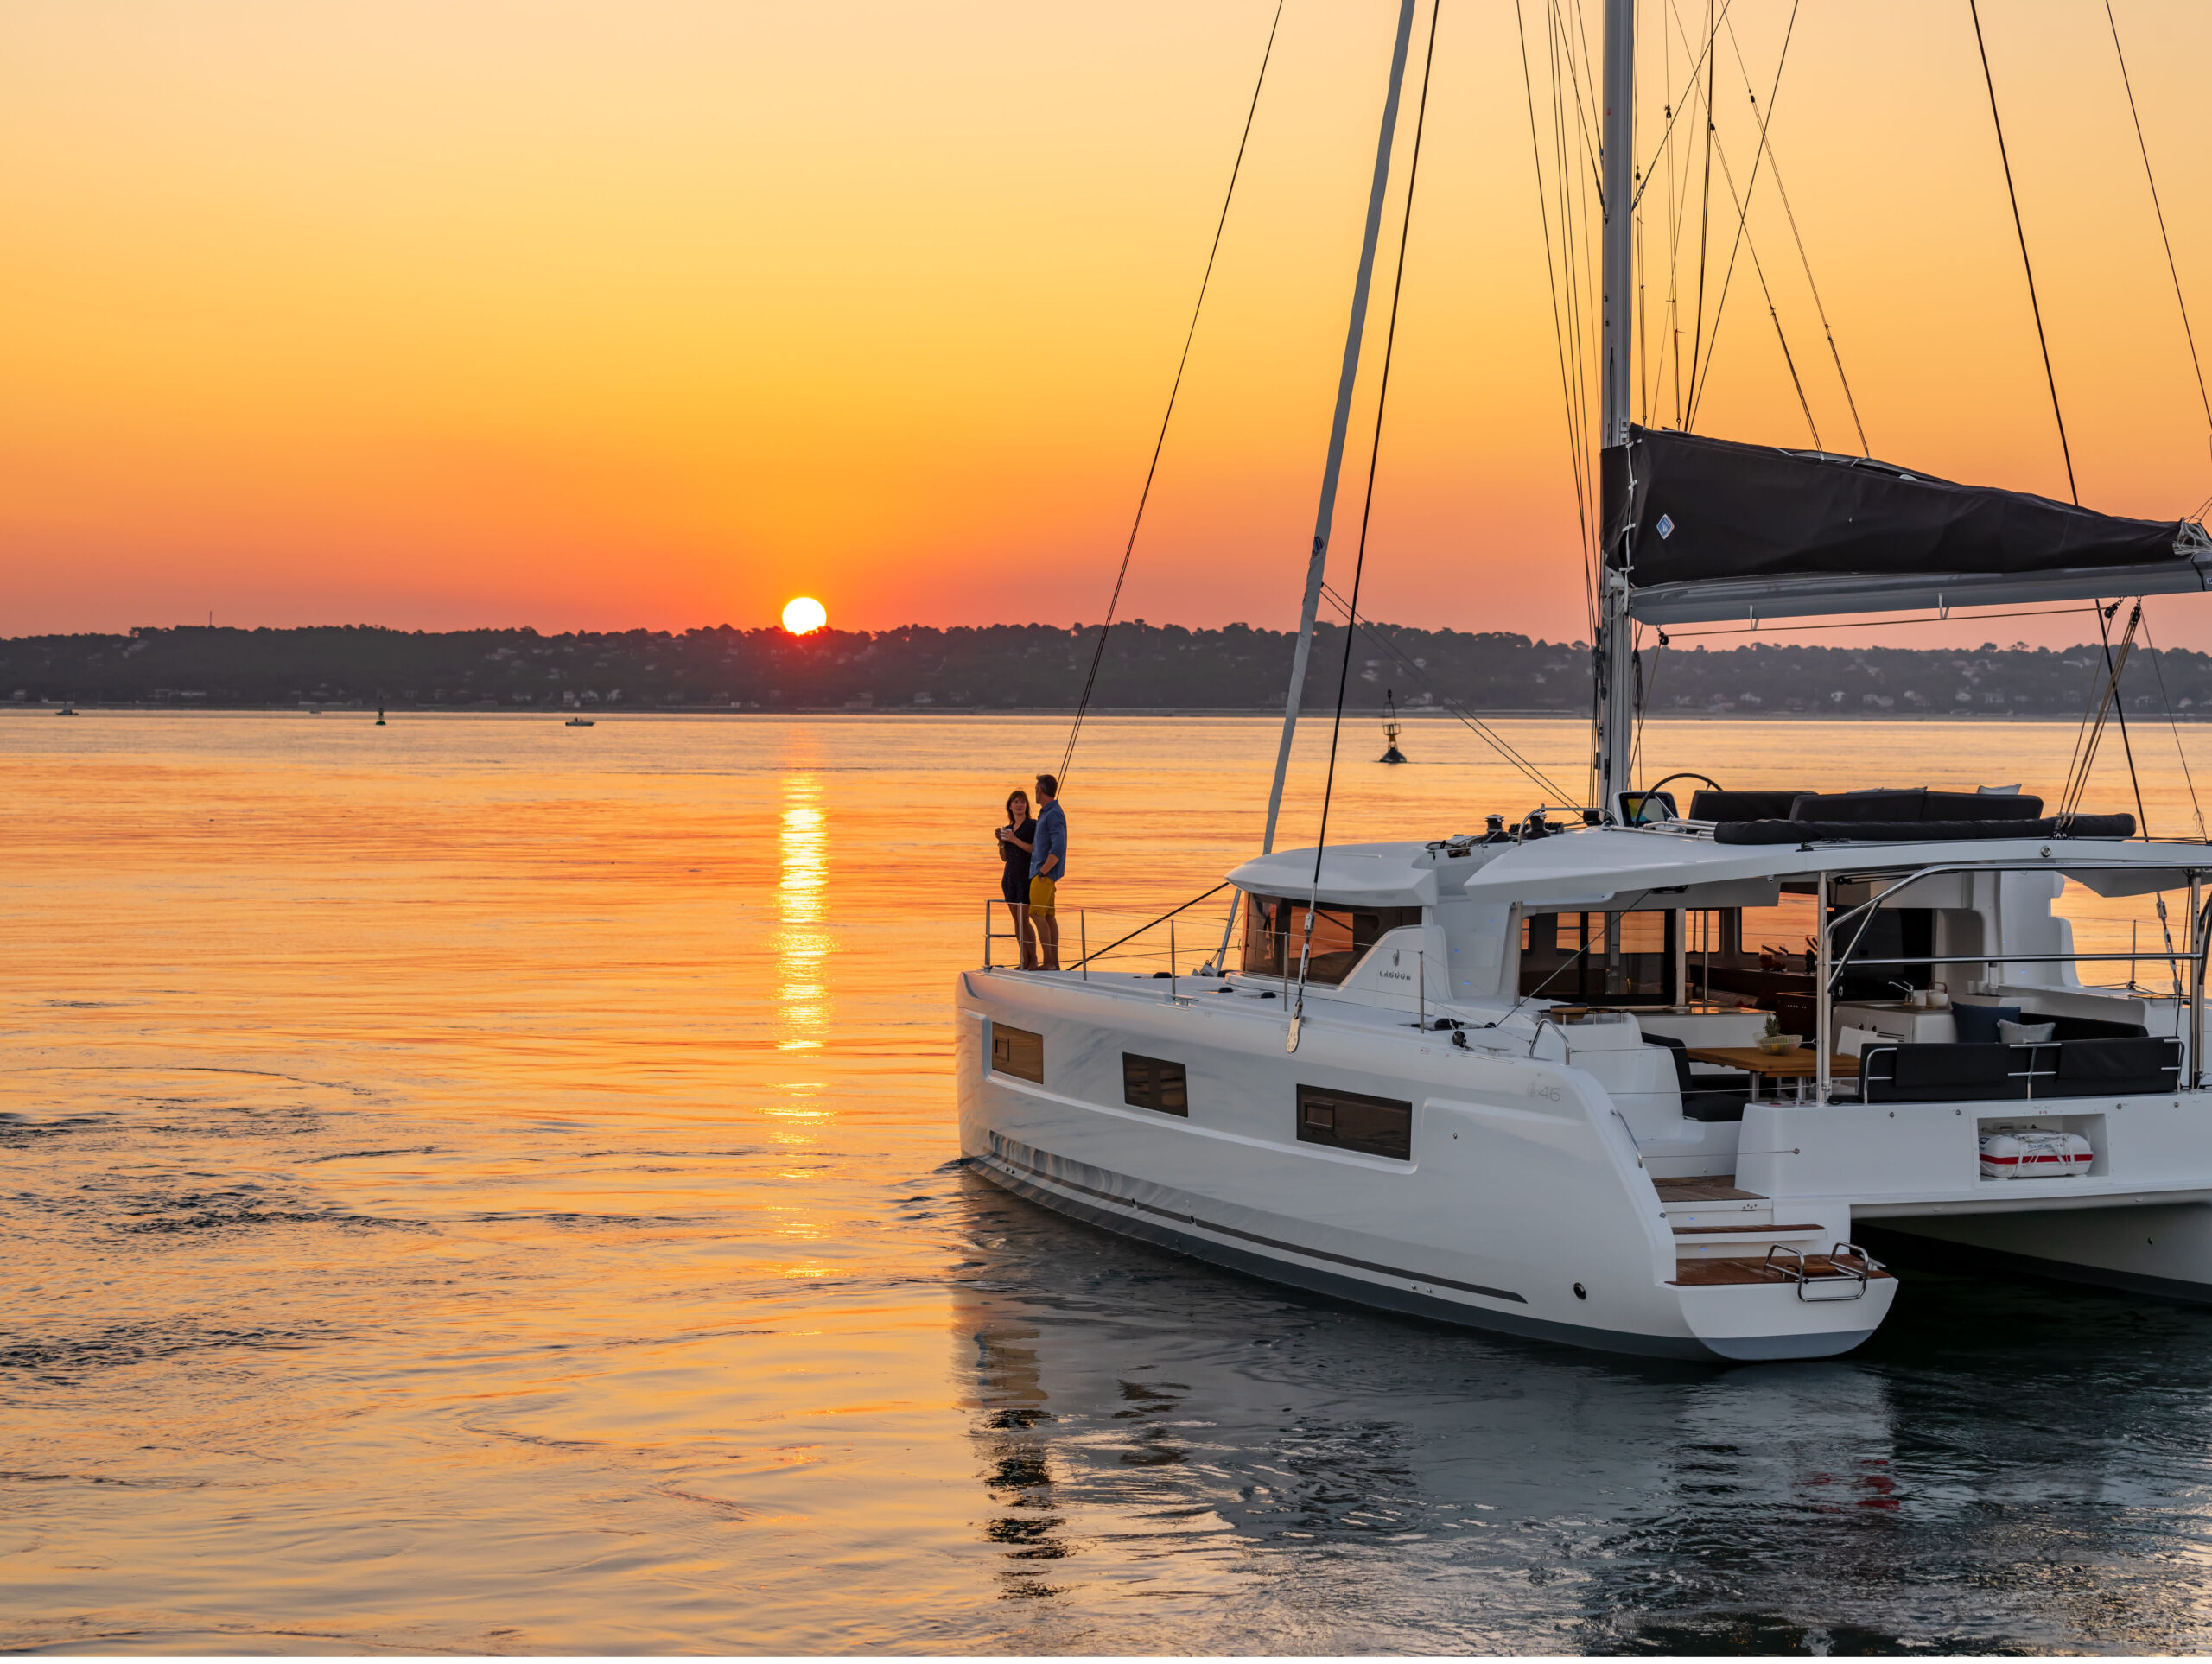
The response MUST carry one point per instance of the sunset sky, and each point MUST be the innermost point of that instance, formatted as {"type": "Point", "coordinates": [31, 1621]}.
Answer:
{"type": "Point", "coordinates": [593, 316]}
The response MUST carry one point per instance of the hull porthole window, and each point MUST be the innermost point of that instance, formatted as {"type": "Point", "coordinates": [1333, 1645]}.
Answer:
{"type": "Point", "coordinates": [1580, 1292]}
{"type": "Point", "coordinates": [1352, 1120]}
{"type": "Point", "coordinates": [1017, 1051]}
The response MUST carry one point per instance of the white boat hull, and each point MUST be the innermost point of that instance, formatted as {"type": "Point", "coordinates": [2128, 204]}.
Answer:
{"type": "Point", "coordinates": [1526, 1207]}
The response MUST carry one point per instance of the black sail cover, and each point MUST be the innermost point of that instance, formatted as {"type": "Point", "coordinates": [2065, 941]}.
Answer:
{"type": "Point", "coordinates": [1704, 509]}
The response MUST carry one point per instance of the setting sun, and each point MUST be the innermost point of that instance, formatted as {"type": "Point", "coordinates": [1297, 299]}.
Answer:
{"type": "Point", "coordinates": [803, 613]}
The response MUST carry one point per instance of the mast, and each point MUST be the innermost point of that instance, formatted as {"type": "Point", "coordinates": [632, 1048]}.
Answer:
{"type": "Point", "coordinates": [1615, 644]}
{"type": "Point", "coordinates": [1317, 564]}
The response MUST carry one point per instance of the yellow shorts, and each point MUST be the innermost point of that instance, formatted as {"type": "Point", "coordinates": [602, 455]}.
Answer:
{"type": "Point", "coordinates": [1040, 897]}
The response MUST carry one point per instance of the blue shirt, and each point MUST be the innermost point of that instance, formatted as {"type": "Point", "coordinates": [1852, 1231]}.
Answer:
{"type": "Point", "coordinates": [1051, 840]}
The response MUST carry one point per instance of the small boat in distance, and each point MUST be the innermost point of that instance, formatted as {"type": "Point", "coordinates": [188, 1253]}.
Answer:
{"type": "Point", "coordinates": [581, 723]}
{"type": "Point", "coordinates": [66, 710]}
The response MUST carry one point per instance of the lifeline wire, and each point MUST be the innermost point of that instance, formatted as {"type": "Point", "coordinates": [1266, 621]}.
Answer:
{"type": "Point", "coordinates": [1099, 654]}
{"type": "Point", "coordinates": [1367, 510]}
{"type": "Point", "coordinates": [2020, 230]}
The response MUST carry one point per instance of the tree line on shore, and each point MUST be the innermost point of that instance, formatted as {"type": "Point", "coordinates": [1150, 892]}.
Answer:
{"type": "Point", "coordinates": [1040, 666]}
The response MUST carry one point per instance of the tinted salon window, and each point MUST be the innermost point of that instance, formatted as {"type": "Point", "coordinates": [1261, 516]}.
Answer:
{"type": "Point", "coordinates": [1352, 1120]}
{"type": "Point", "coordinates": [1155, 1084]}
{"type": "Point", "coordinates": [1017, 1051]}
{"type": "Point", "coordinates": [1593, 958]}
{"type": "Point", "coordinates": [1275, 934]}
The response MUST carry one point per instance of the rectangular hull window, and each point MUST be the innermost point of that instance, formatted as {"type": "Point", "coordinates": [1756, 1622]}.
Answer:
{"type": "Point", "coordinates": [1352, 1120]}
{"type": "Point", "coordinates": [1017, 1051]}
{"type": "Point", "coordinates": [1154, 1083]}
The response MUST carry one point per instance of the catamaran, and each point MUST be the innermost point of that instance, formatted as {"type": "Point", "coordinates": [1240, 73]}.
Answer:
{"type": "Point", "coordinates": [1643, 1074]}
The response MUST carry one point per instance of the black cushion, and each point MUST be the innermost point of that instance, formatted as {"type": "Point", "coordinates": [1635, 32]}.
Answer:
{"type": "Point", "coordinates": [1713, 1106]}
{"type": "Point", "coordinates": [1918, 805]}
{"type": "Point", "coordinates": [1742, 805]}
{"type": "Point", "coordinates": [1943, 1074]}
{"type": "Point", "coordinates": [2091, 1028]}
{"type": "Point", "coordinates": [1952, 1065]}
{"type": "Point", "coordinates": [2099, 1068]}
{"type": "Point", "coordinates": [1781, 831]}
{"type": "Point", "coordinates": [1857, 806]}
{"type": "Point", "coordinates": [1974, 806]}
{"type": "Point", "coordinates": [1705, 1097]}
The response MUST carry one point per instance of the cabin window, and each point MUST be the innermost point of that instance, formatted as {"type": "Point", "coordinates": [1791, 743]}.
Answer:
{"type": "Point", "coordinates": [1599, 958]}
{"type": "Point", "coordinates": [1017, 1051]}
{"type": "Point", "coordinates": [1275, 934]}
{"type": "Point", "coordinates": [1766, 954]}
{"type": "Point", "coordinates": [1155, 1084]}
{"type": "Point", "coordinates": [1783, 931]}
{"type": "Point", "coordinates": [1352, 1120]}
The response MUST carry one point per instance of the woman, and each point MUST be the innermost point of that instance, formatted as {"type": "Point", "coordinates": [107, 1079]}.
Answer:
{"type": "Point", "coordinates": [1016, 839]}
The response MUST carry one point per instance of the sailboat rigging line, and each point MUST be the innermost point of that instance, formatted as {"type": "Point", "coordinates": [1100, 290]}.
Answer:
{"type": "Point", "coordinates": [1098, 653]}
{"type": "Point", "coordinates": [1974, 10]}
{"type": "Point", "coordinates": [1566, 380]}
{"type": "Point", "coordinates": [1764, 629]}
{"type": "Point", "coordinates": [1704, 221]}
{"type": "Point", "coordinates": [1340, 420]}
{"type": "Point", "coordinates": [2173, 269]}
{"type": "Point", "coordinates": [2119, 709]}
{"type": "Point", "coordinates": [1534, 775]}
{"type": "Point", "coordinates": [2092, 732]}
{"type": "Point", "coordinates": [2173, 724]}
{"type": "Point", "coordinates": [1759, 270]}
{"type": "Point", "coordinates": [1644, 692]}
{"type": "Point", "coordinates": [1367, 509]}
{"type": "Point", "coordinates": [1743, 222]}
{"type": "Point", "coordinates": [1781, 190]}
{"type": "Point", "coordinates": [1674, 109]}
{"type": "Point", "coordinates": [2160, 211]}
{"type": "Point", "coordinates": [1575, 72]}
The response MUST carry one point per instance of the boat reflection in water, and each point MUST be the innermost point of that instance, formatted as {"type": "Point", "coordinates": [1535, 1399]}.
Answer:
{"type": "Point", "coordinates": [1271, 1472]}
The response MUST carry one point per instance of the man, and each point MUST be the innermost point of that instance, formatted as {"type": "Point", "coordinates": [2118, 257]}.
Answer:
{"type": "Point", "coordinates": [1048, 865]}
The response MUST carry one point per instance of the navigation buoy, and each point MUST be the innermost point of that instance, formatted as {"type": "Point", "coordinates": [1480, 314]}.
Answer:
{"type": "Point", "coordinates": [1390, 729]}
{"type": "Point", "coordinates": [379, 714]}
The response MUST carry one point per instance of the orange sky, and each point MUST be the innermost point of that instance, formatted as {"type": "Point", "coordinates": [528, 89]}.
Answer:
{"type": "Point", "coordinates": [587, 315]}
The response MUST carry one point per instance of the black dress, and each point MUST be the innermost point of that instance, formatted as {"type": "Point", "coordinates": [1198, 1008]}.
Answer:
{"type": "Point", "coordinates": [1014, 882]}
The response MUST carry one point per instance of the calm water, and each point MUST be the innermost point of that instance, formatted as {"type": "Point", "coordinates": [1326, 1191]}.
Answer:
{"type": "Point", "coordinates": [478, 1184]}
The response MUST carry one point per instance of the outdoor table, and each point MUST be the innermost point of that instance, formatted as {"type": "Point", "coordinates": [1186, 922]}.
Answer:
{"type": "Point", "coordinates": [1799, 1065]}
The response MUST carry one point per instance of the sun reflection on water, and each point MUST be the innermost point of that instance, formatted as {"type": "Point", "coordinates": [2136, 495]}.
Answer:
{"type": "Point", "coordinates": [802, 897]}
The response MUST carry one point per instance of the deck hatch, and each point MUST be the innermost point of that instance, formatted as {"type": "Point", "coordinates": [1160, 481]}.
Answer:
{"type": "Point", "coordinates": [1017, 1051]}
{"type": "Point", "coordinates": [1155, 1084]}
{"type": "Point", "coordinates": [1352, 1120]}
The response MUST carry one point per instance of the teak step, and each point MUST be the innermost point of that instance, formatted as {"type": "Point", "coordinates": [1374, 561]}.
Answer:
{"type": "Point", "coordinates": [1706, 1274]}
{"type": "Point", "coordinates": [1717, 1187]}
{"type": "Point", "coordinates": [1749, 1231]}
